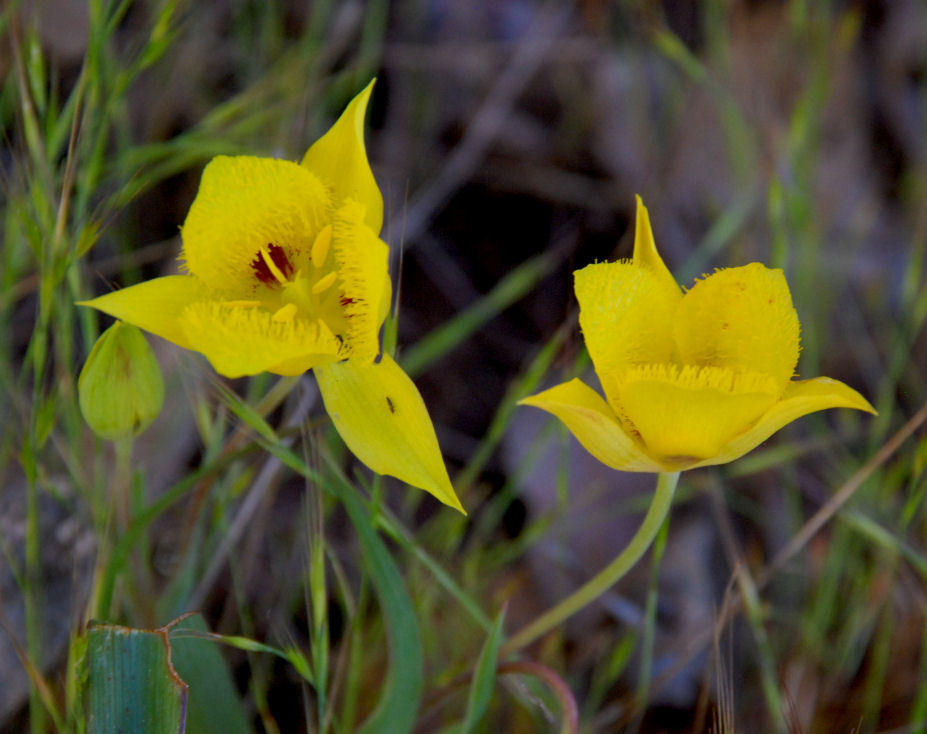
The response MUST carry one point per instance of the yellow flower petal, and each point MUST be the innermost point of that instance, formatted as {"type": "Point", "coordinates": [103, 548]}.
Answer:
{"type": "Point", "coordinates": [800, 398]}
{"type": "Point", "coordinates": [385, 300]}
{"type": "Point", "coordinates": [245, 341]}
{"type": "Point", "coordinates": [155, 305]}
{"type": "Point", "coordinates": [741, 318]}
{"type": "Point", "coordinates": [380, 415]}
{"type": "Point", "coordinates": [595, 426]}
{"type": "Point", "coordinates": [645, 249]}
{"type": "Point", "coordinates": [362, 263]}
{"type": "Point", "coordinates": [339, 160]}
{"type": "Point", "coordinates": [625, 312]}
{"type": "Point", "coordinates": [688, 414]}
{"type": "Point", "coordinates": [246, 204]}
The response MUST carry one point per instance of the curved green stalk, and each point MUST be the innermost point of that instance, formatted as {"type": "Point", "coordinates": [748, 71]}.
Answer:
{"type": "Point", "coordinates": [608, 576]}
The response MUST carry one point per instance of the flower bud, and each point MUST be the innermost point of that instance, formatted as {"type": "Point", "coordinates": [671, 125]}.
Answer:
{"type": "Point", "coordinates": [120, 387]}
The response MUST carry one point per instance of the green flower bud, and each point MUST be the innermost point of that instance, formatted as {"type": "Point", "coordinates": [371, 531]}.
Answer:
{"type": "Point", "coordinates": [120, 387]}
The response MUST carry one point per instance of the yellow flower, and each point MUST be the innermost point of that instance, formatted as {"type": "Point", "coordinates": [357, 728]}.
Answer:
{"type": "Point", "coordinates": [286, 272]}
{"type": "Point", "coordinates": [690, 379]}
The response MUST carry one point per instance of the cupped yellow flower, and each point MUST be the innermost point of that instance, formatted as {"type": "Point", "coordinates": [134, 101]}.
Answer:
{"type": "Point", "coordinates": [690, 378]}
{"type": "Point", "coordinates": [286, 273]}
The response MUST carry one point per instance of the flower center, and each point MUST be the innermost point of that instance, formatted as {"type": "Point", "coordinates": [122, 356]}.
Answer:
{"type": "Point", "coordinates": [290, 292]}
{"type": "Point", "coordinates": [271, 265]}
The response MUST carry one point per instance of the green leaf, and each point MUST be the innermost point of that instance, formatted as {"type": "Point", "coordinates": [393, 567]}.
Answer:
{"type": "Point", "coordinates": [402, 692]}
{"type": "Point", "coordinates": [131, 684]}
{"type": "Point", "coordinates": [247, 414]}
{"type": "Point", "coordinates": [45, 418]}
{"type": "Point", "coordinates": [89, 235]}
{"type": "Point", "coordinates": [485, 676]}
{"type": "Point", "coordinates": [213, 706]}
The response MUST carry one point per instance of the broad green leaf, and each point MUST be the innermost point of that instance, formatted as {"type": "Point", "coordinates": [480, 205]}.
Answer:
{"type": "Point", "coordinates": [485, 676]}
{"type": "Point", "coordinates": [131, 684]}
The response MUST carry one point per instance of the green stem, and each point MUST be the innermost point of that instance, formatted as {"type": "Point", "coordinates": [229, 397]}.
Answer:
{"type": "Point", "coordinates": [607, 577]}
{"type": "Point", "coordinates": [33, 598]}
{"type": "Point", "coordinates": [650, 626]}
{"type": "Point", "coordinates": [276, 395]}
{"type": "Point", "coordinates": [121, 487]}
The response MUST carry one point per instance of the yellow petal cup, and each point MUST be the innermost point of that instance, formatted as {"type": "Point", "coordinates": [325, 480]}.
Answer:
{"type": "Point", "coordinates": [690, 378]}
{"type": "Point", "coordinates": [286, 273]}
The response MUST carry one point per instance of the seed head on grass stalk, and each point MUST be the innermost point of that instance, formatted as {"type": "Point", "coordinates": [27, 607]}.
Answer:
{"type": "Point", "coordinates": [286, 272]}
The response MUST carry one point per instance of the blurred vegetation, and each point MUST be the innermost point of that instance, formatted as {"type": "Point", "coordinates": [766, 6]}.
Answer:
{"type": "Point", "coordinates": [509, 139]}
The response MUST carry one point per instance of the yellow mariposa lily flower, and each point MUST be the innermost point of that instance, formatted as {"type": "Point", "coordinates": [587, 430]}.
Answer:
{"type": "Point", "coordinates": [690, 378]}
{"type": "Point", "coordinates": [286, 273]}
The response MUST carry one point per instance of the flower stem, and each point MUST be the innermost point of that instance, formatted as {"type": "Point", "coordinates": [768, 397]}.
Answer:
{"type": "Point", "coordinates": [608, 576]}
{"type": "Point", "coordinates": [650, 624]}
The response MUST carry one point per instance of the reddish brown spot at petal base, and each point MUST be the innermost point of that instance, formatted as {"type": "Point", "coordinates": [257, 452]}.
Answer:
{"type": "Point", "coordinates": [278, 257]}
{"type": "Point", "coordinates": [345, 301]}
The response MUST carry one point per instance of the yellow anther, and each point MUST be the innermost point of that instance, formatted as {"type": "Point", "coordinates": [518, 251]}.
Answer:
{"type": "Point", "coordinates": [324, 283]}
{"type": "Point", "coordinates": [285, 314]}
{"type": "Point", "coordinates": [241, 304]}
{"type": "Point", "coordinates": [320, 247]}
{"type": "Point", "coordinates": [272, 266]}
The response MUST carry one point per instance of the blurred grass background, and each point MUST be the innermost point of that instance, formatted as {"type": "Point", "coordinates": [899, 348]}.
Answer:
{"type": "Point", "coordinates": [509, 139]}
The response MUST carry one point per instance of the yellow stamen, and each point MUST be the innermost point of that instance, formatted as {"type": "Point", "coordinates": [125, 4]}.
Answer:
{"type": "Point", "coordinates": [272, 266]}
{"type": "Point", "coordinates": [241, 304]}
{"type": "Point", "coordinates": [321, 246]}
{"type": "Point", "coordinates": [285, 314]}
{"type": "Point", "coordinates": [324, 283]}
